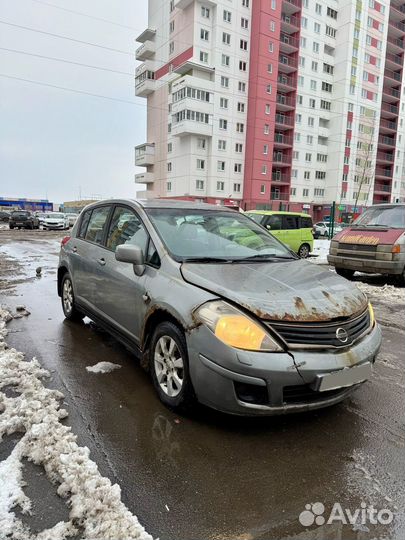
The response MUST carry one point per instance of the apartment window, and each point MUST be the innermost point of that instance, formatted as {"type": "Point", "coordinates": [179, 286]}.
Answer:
{"type": "Point", "coordinates": [294, 173]}
{"type": "Point", "coordinates": [237, 167]}
{"type": "Point", "coordinates": [240, 127]}
{"type": "Point", "coordinates": [300, 80]}
{"type": "Point", "coordinates": [237, 188]}
{"type": "Point", "coordinates": [320, 175]}
{"type": "Point", "coordinates": [266, 129]}
{"type": "Point", "coordinates": [204, 34]}
{"type": "Point", "coordinates": [310, 139]}
{"type": "Point", "coordinates": [311, 121]}
{"type": "Point", "coordinates": [204, 57]}
{"type": "Point", "coordinates": [244, 23]}
{"type": "Point", "coordinates": [227, 16]}
{"type": "Point", "coordinates": [330, 31]}
{"type": "Point", "coordinates": [223, 103]}
{"type": "Point", "coordinates": [273, 5]}
{"type": "Point", "coordinates": [262, 189]}
{"type": "Point", "coordinates": [226, 38]}
{"type": "Point", "coordinates": [304, 22]}
{"type": "Point", "coordinates": [315, 47]}
{"type": "Point", "coordinates": [169, 167]}
{"type": "Point", "coordinates": [171, 47]}
{"type": "Point", "coordinates": [205, 12]}
{"type": "Point", "coordinates": [327, 68]}
{"type": "Point", "coordinates": [313, 84]}
{"type": "Point", "coordinates": [267, 108]}
{"type": "Point", "coordinates": [171, 26]}
{"type": "Point", "coordinates": [272, 26]}
{"type": "Point", "coordinates": [245, 3]}
{"type": "Point", "coordinates": [201, 143]}
{"type": "Point", "coordinates": [223, 124]}
{"type": "Point", "coordinates": [308, 157]}
{"type": "Point", "coordinates": [297, 136]}
{"type": "Point", "coordinates": [199, 184]}
{"type": "Point", "coordinates": [242, 65]}
{"type": "Point", "coordinates": [271, 46]}
{"type": "Point", "coordinates": [221, 166]}
{"type": "Point", "coordinates": [171, 6]}
{"type": "Point", "coordinates": [323, 158]}
{"type": "Point", "coordinates": [299, 99]}
{"type": "Point", "coordinates": [238, 148]}
{"type": "Point", "coordinates": [220, 186]}
{"type": "Point", "coordinates": [221, 144]}
{"type": "Point", "coordinates": [331, 13]}
{"type": "Point", "coordinates": [307, 175]}
{"type": "Point", "coordinates": [353, 71]}
{"type": "Point", "coordinates": [264, 169]}
{"type": "Point", "coordinates": [318, 9]}
{"type": "Point", "coordinates": [269, 88]}
{"type": "Point", "coordinates": [241, 107]}
{"type": "Point", "coordinates": [201, 164]}
{"type": "Point", "coordinates": [225, 60]}
{"type": "Point", "coordinates": [169, 127]}
{"type": "Point", "coordinates": [314, 65]}
{"type": "Point", "coordinates": [303, 42]}
{"type": "Point", "coordinates": [317, 28]}
{"type": "Point", "coordinates": [224, 82]}
{"type": "Point", "coordinates": [350, 107]}
{"type": "Point", "coordinates": [265, 149]}
{"type": "Point", "coordinates": [326, 87]}
{"type": "Point", "coordinates": [305, 192]}
{"type": "Point", "coordinates": [243, 44]}
{"type": "Point", "coordinates": [293, 191]}
{"type": "Point", "coordinates": [241, 86]}
{"type": "Point", "coordinates": [298, 118]}
{"type": "Point", "coordinates": [168, 186]}
{"type": "Point", "coordinates": [312, 103]}
{"type": "Point", "coordinates": [295, 155]}
{"type": "Point", "coordinates": [326, 105]}
{"type": "Point", "coordinates": [319, 192]}
{"type": "Point", "coordinates": [301, 61]}
{"type": "Point", "coordinates": [269, 68]}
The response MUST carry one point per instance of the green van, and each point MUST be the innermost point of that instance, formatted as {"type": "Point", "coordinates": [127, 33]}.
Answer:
{"type": "Point", "coordinates": [291, 228]}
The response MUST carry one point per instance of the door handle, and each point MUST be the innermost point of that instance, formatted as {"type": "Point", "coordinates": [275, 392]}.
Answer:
{"type": "Point", "coordinates": [101, 261]}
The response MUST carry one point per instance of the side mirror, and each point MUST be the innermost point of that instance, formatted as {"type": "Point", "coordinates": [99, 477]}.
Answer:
{"type": "Point", "coordinates": [131, 254]}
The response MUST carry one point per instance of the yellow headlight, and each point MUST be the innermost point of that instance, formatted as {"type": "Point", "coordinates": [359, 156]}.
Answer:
{"type": "Point", "coordinates": [371, 311]}
{"type": "Point", "coordinates": [235, 328]}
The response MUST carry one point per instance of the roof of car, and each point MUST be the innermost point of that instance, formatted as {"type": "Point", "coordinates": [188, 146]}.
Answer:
{"type": "Point", "coordinates": [163, 203]}
{"type": "Point", "coordinates": [272, 212]}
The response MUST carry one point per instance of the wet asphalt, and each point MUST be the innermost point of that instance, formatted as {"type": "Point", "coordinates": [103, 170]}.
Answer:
{"type": "Point", "coordinates": [207, 475]}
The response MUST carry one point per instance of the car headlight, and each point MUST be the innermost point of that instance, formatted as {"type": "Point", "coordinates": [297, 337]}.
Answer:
{"type": "Point", "coordinates": [371, 311]}
{"type": "Point", "coordinates": [234, 328]}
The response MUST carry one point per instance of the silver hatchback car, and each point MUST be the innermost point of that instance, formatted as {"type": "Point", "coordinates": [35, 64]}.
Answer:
{"type": "Point", "coordinates": [216, 308]}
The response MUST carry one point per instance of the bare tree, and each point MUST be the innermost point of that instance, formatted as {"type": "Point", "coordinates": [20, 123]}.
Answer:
{"type": "Point", "coordinates": [364, 168]}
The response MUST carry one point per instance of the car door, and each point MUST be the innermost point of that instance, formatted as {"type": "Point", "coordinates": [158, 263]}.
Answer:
{"type": "Point", "coordinates": [273, 224]}
{"type": "Point", "coordinates": [121, 295]}
{"type": "Point", "coordinates": [86, 254]}
{"type": "Point", "coordinates": [291, 234]}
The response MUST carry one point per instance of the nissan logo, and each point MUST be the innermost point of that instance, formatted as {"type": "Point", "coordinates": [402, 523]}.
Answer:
{"type": "Point", "coordinates": [342, 335]}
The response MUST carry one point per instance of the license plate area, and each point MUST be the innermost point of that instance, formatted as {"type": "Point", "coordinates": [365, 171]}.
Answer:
{"type": "Point", "coordinates": [344, 377]}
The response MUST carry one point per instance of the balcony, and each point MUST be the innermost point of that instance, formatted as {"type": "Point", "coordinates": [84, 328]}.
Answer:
{"type": "Point", "coordinates": [392, 77]}
{"type": "Point", "coordinates": [386, 142]}
{"type": "Point", "coordinates": [288, 44]}
{"type": "Point", "coordinates": [290, 7]}
{"type": "Point", "coordinates": [145, 51]}
{"type": "Point", "coordinates": [395, 44]}
{"type": "Point", "coordinates": [280, 177]}
{"type": "Point", "coordinates": [278, 195]}
{"type": "Point", "coordinates": [385, 157]}
{"type": "Point", "coordinates": [286, 64]}
{"type": "Point", "coordinates": [285, 83]}
{"type": "Point", "coordinates": [282, 141]}
{"type": "Point", "coordinates": [383, 172]}
{"type": "Point", "coordinates": [393, 60]}
{"type": "Point", "coordinates": [387, 126]}
{"type": "Point", "coordinates": [284, 122]}
{"type": "Point", "coordinates": [396, 29]}
{"type": "Point", "coordinates": [186, 127]}
{"type": "Point", "coordinates": [391, 95]}
{"type": "Point", "coordinates": [144, 178]}
{"type": "Point", "coordinates": [147, 35]}
{"type": "Point", "coordinates": [285, 103]}
{"type": "Point", "coordinates": [388, 110]}
{"type": "Point", "coordinates": [145, 154]}
{"type": "Point", "coordinates": [382, 188]}
{"type": "Point", "coordinates": [281, 160]}
{"type": "Point", "coordinates": [289, 24]}
{"type": "Point", "coordinates": [144, 80]}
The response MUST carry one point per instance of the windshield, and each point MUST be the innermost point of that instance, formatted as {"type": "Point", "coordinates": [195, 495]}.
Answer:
{"type": "Point", "coordinates": [214, 235]}
{"type": "Point", "coordinates": [392, 216]}
{"type": "Point", "coordinates": [20, 213]}
{"type": "Point", "coordinates": [55, 216]}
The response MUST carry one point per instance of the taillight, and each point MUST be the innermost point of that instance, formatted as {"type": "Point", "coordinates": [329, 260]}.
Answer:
{"type": "Point", "coordinates": [65, 240]}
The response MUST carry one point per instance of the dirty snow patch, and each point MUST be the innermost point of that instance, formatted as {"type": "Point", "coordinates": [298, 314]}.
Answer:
{"type": "Point", "coordinates": [96, 510]}
{"type": "Point", "coordinates": [320, 252]}
{"type": "Point", "coordinates": [385, 292]}
{"type": "Point", "coordinates": [103, 367]}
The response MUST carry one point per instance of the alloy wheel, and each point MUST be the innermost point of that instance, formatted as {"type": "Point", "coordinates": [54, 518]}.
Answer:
{"type": "Point", "coordinates": [169, 366]}
{"type": "Point", "coordinates": [67, 296]}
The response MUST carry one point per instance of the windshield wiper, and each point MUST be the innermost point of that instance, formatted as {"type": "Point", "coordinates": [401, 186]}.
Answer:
{"type": "Point", "coordinates": [265, 256]}
{"type": "Point", "coordinates": [206, 260]}
{"type": "Point", "coordinates": [375, 225]}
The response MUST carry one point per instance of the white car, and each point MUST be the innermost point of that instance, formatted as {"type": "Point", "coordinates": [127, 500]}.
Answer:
{"type": "Point", "coordinates": [322, 229]}
{"type": "Point", "coordinates": [72, 219]}
{"type": "Point", "coordinates": [56, 220]}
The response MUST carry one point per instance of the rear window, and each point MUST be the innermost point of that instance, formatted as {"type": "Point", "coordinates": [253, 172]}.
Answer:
{"type": "Point", "coordinates": [20, 214]}
{"type": "Point", "coordinates": [306, 222]}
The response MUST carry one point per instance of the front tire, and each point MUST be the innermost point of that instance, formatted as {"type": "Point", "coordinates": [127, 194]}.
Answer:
{"type": "Point", "coordinates": [304, 250]}
{"type": "Point", "coordinates": [345, 272]}
{"type": "Point", "coordinates": [169, 367]}
{"type": "Point", "coordinates": [68, 300]}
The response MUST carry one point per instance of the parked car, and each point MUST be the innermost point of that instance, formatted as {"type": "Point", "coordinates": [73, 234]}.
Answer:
{"type": "Point", "coordinates": [56, 220]}
{"type": "Point", "coordinates": [23, 219]}
{"type": "Point", "coordinates": [41, 216]}
{"type": "Point", "coordinates": [243, 326]}
{"type": "Point", "coordinates": [72, 219]}
{"type": "Point", "coordinates": [293, 229]}
{"type": "Point", "coordinates": [322, 229]}
{"type": "Point", "coordinates": [4, 216]}
{"type": "Point", "coordinates": [373, 243]}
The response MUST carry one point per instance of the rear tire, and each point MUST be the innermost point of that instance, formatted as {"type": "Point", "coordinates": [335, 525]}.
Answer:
{"type": "Point", "coordinates": [68, 300]}
{"type": "Point", "coordinates": [169, 367]}
{"type": "Point", "coordinates": [304, 250]}
{"type": "Point", "coordinates": [345, 272]}
{"type": "Point", "coordinates": [11, 227]}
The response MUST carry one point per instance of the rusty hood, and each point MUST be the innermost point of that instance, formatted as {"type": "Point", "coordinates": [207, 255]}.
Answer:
{"type": "Point", "coordinates": [291, 291]}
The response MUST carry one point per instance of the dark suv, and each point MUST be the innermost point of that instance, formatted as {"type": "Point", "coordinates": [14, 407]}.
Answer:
{"type": "Point", "coordinates": [23, 219]}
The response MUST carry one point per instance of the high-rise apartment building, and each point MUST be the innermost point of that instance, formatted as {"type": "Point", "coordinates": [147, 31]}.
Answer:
{"type": "Point", "coordinates": [283, 104]}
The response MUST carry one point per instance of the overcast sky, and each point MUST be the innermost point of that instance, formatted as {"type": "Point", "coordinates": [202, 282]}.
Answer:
{"type": "Point", "coordinates": [56, 144]}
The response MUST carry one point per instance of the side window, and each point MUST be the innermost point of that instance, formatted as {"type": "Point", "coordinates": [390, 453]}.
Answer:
{"type": "Point", "coordinates": [126, 228]}
{"type": "Point", "coordinates": [152, 257]}
{"type": "Point", "coordinates": [97, 224]}
{"type": "Point", "coordinates": [306, 222]}
{"type": "Point", "coordinates": [290, 222]}
{"type": "Point", "coordinates": [273, 222]}
{"type": "Point", "coordinates": [83, 224]}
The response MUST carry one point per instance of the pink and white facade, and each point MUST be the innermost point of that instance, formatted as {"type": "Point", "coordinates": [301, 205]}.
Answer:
{"type": "Point", "coordinates": [282, 104]}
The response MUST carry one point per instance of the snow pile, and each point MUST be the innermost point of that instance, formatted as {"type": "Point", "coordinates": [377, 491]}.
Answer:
{"type": "Point", "coordinates": [103, 367]}
{"type": "Point", "coordinates": [96, 509]}
{"type": "Point", "coordinates": [384, 292]}
{"type": "Point", "coordinates": [320, 252]}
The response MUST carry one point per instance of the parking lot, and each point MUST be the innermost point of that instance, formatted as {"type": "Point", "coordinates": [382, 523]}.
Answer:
{"type": "Point", "coordinates": [208, 475]}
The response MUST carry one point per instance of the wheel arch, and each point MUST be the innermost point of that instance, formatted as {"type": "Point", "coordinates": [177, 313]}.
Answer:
{"type": "Point", "coordinates": [62, 270]}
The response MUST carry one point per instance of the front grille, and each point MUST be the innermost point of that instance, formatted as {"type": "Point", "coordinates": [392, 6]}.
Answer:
{"type": "Point", "coordinates": [357, 247]}
{"type": "Point", "coordinates": [303, 393]}
{"type": "Point", "coordinates": [323, 334]}
{"type": "Point", "coordinates": [357, 251]}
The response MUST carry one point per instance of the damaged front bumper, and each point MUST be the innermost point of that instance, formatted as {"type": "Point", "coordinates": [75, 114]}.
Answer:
{"type": "Point", "coordinates": [258, 383]}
